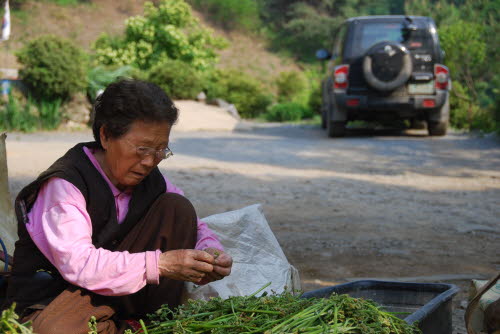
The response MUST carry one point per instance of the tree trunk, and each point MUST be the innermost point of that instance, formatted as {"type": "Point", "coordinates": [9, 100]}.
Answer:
{"type": "Point", "coordinates": [8, 227]}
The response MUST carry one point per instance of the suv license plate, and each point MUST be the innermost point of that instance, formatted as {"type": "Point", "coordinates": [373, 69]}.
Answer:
{"type": "Point", "coordinates": [421, 88]}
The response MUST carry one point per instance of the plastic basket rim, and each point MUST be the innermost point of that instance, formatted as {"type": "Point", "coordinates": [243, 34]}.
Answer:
{"type": "Point", "coordinates": [419, 314]}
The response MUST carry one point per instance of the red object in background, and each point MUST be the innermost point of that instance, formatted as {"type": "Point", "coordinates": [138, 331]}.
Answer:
{"type": "Point", "coordinates": [429, 103]}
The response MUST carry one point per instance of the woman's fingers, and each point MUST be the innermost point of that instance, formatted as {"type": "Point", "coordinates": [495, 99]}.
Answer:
{"type": "Point", "coordinates": [224, 260]}
{"type": "Point", "coordinates": [222, 271]}
{"type": "Point", "coordinates": [203, 256]}
{"type": "Point", "coordinates": [185, 264]}
{"type": "Point", "coordinates": [221, 258]}
{"type": "Point", "coordinates": [195, 265]}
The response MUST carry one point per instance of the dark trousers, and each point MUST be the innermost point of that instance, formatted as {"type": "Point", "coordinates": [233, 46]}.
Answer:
{"type": "Point", "coordinates": [169, 224]}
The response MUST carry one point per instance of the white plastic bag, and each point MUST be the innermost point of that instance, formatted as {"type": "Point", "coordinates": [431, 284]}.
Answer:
{"type": "Point", "coordinates": [257, 257]}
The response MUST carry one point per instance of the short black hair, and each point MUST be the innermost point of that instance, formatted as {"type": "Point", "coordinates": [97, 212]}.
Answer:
{"type": "Point", "coordinates": [126, 101]}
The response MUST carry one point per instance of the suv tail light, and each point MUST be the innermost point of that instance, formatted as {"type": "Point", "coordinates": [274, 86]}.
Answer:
{"type": "Point", "coordinates": [340, 76]}
{"type": "Point", "coordinates": [442, 75]}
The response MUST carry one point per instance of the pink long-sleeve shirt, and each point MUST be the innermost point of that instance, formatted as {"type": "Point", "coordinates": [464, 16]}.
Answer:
{"type": "Point", "coordinates": [60, 227]}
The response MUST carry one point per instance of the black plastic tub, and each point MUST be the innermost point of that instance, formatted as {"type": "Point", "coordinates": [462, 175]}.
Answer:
{"type": "Point", "coordinates": [427, 304]}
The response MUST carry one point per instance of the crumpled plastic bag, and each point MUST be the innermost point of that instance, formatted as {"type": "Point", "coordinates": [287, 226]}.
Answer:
{"type": "Point", "coordinates": [257, 257]}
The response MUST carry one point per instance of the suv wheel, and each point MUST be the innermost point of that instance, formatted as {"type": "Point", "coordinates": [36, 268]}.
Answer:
{"type": "Point", "coordinates": [387, 66]}
{"type": "Point", "coordinates": [325, 103]}
{"type": "Point", "coordinates": [437, 128]}
{"type": "Point", "coordinates": [336, 129]}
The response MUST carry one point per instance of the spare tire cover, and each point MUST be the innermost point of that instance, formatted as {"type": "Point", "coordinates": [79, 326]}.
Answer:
{"type": "Point", "coordinates": [387, 65]}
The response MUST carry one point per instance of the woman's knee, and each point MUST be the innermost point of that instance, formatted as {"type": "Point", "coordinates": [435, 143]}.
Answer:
{"type": "Point", "coordinates": [178, 203]}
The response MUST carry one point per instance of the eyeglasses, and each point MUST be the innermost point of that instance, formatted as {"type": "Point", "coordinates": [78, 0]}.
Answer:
{"type": "Point", "coordinates": [144, 151]}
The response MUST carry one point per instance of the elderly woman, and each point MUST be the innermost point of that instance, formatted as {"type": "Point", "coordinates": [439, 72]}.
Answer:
{"type": "Point", "coordinates": [102, 232]}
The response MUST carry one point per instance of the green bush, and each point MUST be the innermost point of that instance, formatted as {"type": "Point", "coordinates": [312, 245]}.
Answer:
{"type": "Point", "coordinates": [315, 97]}
{"type": "Point", "coordinates": [53, 68]}
{"type": "Point", "coordinates": [466, 114]}
{"type": "Point", "coordinates": [231, 14]}
{"type": "Point", "coordinates": [283, 112]}
{"type": "Point", "coordinates": [177, 78]}
{"type": "Point", "coordinates": [166, 31]}
{"type": "Point", "coordinates": [249, 96]}
{"type": "Point", "coordinates": [292, 86]}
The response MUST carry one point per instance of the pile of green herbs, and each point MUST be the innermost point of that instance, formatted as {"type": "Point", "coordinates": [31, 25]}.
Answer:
{"type": "Point", "coordinates": [9, 323]}
{"type": "Point", "coordinates": [283, 313]}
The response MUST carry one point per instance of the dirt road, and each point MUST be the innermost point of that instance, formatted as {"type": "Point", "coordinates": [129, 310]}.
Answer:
{"type": "Point", "coordinates": [382, 204]}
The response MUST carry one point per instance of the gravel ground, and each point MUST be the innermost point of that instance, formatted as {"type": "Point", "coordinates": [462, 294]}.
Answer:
{"type": "Point", "coordinates": [376, 204]}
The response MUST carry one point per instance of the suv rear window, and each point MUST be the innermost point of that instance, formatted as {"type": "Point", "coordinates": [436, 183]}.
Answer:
{"type": "Point", "coordinates": [372, 33]}
{"type": "Point", "coordinates": [367, 34]}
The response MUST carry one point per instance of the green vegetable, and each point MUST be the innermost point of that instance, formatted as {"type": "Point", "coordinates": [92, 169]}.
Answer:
{"type": "Point", "coordinates": [9, 323]}
{"type": "Point", "coordinates": [92, 325]}
{"type": "Point", "coordinates": [283, 313]}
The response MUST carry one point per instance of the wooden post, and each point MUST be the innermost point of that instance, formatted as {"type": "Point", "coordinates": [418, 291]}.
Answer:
{"type": "Point", "coordinates": [8, 225]}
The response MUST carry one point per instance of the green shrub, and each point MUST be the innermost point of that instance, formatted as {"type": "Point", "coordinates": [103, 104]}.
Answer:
{"type": "Point", "coordinates": [315, 97]}
{"type": "Point", "coordinates": [283, 112]}
{"type": "Point", "coordinates": [249, 96]}
{"type": "Point", "coordinates": [53, 68]}
{"type": "Point", "coordinates": [178, 79]}
{"type": "Point", "coordinates": [292, 86]}
{"type": "Point", "coordinates": [166, 31]}
{"type": "Point", "coordinates": [465, 113]}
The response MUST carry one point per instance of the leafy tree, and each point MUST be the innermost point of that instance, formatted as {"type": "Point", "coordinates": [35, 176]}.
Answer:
{"type": "Point", "coordinates": [307, 31]}
{"type": "Point", "coordinates": [166, 31]}
{"type": "Point", "coordinates": [442, 11]}
{"type": "Point", "coordinates": [469, 36]}
{"type": "Point", "coordinates": [465, 52]}
{"type": "Point", "coordinates": [304, 26]}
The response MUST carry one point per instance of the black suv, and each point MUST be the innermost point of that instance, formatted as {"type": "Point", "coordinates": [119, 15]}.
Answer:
{"type": "Point", "coordinates": [386, 68]}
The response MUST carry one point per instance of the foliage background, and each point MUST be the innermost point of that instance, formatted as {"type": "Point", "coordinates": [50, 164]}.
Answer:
{"type": "Point", "coordinates": [169, 31]}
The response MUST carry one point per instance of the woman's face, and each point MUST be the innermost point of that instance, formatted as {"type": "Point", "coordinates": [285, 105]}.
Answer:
{"type": "Point", "coordinates": [121, 162]}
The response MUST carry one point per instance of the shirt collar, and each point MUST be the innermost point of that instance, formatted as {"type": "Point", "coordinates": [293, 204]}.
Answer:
{"type": "Point", "coordinates": [90, 153]}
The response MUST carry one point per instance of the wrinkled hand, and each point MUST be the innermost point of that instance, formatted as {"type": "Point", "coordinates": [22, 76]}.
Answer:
{"type": "Point", "coordinates": [222, 265]}
{"type": "Point", "coordinates": [186, 265]}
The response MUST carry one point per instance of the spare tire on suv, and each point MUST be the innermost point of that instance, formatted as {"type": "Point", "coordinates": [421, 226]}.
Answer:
{"type": "Point", "coordinates": [387, 66]}
{"type": "Point", "coordinates": [386, 69]}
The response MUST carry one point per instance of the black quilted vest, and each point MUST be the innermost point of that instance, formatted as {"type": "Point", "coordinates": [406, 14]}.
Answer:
{"type": "Point", "coordinates": [34, 279]}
